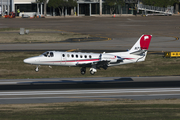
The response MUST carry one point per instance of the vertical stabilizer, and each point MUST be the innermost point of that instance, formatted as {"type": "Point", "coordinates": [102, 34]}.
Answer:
{"type": "Point", "coordinates": [141, 45]}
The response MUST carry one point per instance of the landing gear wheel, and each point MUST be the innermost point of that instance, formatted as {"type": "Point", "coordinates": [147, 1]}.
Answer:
{"type": "Point", "coordinates": [37, 69]}
{"type": "Point", "coordinates": [92, 72]}
{"type": "Point", "coordinates": [83, 71]}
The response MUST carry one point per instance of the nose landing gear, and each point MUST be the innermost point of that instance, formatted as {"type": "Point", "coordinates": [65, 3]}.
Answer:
{"type": "Point", "coordinates": [37, 68]}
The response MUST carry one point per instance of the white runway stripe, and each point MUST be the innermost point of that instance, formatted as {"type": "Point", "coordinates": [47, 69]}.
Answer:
{"type": "Point", "coordinates": [74, 92]}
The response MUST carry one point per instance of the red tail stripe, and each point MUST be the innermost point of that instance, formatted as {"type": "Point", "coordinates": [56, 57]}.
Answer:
{"type": "Point", "coordinates": [145, 41]}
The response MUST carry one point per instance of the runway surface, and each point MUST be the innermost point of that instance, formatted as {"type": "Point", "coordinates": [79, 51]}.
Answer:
{"type": "Point", "coordinates": [88, 89]}
{"type": "Point", "coordinates": [87, 95]}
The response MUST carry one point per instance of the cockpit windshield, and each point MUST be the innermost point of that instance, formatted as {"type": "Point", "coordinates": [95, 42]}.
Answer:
{"type": "Point", "coordinates": [48, 54]}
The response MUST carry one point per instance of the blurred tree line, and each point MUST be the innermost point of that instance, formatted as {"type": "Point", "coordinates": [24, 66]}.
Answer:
{"type": "Point", "coordinates": [59, 4]}
{"type": "Point", "coordinates": [113, 4]}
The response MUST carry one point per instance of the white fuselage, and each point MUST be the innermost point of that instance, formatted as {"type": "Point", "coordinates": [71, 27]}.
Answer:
{"type": "Point", "coordinates": [74, 58]}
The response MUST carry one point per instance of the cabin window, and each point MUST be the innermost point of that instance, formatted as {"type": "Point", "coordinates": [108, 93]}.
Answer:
{"type": "Point", "coordinates": [63, 55]}
{"type": "Point", "coordinates": [81, 56]}
{"type": "Point", "coordinates": [76, 56]}
{"type": "Point", "coordinates": [72, 55]}
{"type": "Point", "coordinates": [89, 56]}
{"type": "Point", "coordinates": [85, 56]}
{"type": "Point", "coordinates": [67, 55]}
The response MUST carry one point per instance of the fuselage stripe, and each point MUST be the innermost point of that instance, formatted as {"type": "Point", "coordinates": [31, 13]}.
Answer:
{"type": "Point", "coordinates": [88, 60]}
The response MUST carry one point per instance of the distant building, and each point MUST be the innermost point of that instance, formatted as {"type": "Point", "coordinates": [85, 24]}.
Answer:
{"type": "Point", "coordinates": [97, 7]}
{"type": "Point", "coordinates": [84, 8]}
{"type": "Point", "coordinates": [4, 7]}
{"type": "Point", "coordinates": [30, 6]}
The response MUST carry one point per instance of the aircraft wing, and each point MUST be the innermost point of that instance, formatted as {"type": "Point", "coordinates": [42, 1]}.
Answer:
{"type": "Point", "coordinates": [98, 64]}
{"type": "Point", "coordinates": [103, 62]}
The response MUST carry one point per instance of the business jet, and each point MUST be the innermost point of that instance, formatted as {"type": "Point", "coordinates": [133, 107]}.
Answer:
{"type": "Point", "coordinates": [93, 61]}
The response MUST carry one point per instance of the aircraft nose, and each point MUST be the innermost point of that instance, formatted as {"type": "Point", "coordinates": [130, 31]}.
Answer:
{"type": "Point", "coordinates": [27, 60]}
{"type": "Point", "coordinates": [30, 60]}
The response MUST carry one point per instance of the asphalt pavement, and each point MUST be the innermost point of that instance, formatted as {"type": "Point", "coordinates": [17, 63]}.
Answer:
{"type": "Point", "coordinates": [17, 91]}
{"type": "Point", "coordinates": [124, 32]}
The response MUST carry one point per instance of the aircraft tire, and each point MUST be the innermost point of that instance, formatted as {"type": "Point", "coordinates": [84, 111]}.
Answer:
{"type": "Point", "coordinates": [92, 72]}
{"type": "Point", "coordinates": [83, 71]}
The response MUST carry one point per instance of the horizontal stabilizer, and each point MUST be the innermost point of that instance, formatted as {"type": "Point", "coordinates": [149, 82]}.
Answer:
{"type": "Point", "coordinates": [140, 52]}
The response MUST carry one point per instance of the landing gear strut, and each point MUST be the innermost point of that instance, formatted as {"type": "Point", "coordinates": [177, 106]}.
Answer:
{"type": "Point", "coordinates": [37, 69]}
{"type": "Point", "coordinates": [83, 70]}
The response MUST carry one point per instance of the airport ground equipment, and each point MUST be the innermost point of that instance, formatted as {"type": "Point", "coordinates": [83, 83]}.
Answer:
{"type": "Point", "coordinates": [11, 15]}
{"type": "Point", "coordinates": [171, 54]}
{"type": "Point", "coordinates": [153, 10]}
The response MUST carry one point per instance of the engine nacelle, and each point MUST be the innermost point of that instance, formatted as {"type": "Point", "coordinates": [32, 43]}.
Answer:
{"type": "Point", "coordinates": [109, 57]}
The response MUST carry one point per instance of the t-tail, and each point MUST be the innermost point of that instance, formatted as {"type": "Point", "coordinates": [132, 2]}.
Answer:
{"type": "Point", "coordinates": [140, 48]}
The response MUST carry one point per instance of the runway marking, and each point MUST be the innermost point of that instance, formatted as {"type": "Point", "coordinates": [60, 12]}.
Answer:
{"type": "Point", "coordinates": [177, 38]}
{"type": "Point", "coordinates": [71, 92]}
{"type": "Point", "coordinates": [71, 50]}
{"type": "Point", "coordinates": [129, 19]}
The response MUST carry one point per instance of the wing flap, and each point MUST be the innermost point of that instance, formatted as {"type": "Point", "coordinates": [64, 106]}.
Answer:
{"type": "Point", "coordinates": [90, 64]}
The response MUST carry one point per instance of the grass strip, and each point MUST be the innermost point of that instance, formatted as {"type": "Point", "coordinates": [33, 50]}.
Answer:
{"type": "Point", "coordinates": [115, 110]}
{"type": "Point", "coordinates": [9, 35]}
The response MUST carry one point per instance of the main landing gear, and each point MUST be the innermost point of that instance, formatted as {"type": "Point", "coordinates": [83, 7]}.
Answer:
{"type": "Point", "coordinates": [83, 70]}
{"type": "Point", "coordinates": [92, 70]}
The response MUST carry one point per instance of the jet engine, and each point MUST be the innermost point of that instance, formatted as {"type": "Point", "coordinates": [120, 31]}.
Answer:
{"type": "Point", "coordinates": [111, 58]}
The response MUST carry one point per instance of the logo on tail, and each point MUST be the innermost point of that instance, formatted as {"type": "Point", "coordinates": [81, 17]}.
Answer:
{"type": "Point", "coordinates": [142, 45]}
{"type": "Point", "coordinates": [145, 41]}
